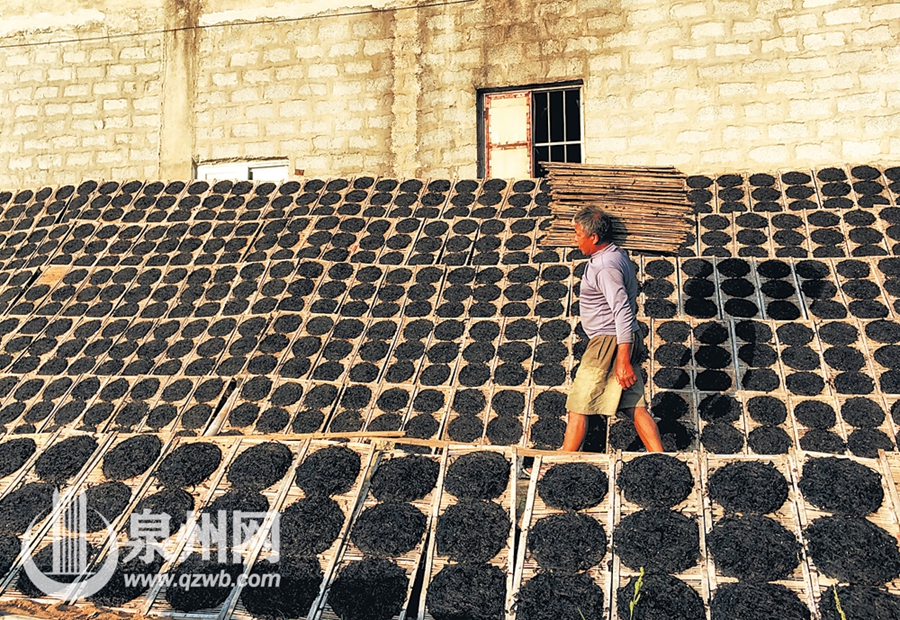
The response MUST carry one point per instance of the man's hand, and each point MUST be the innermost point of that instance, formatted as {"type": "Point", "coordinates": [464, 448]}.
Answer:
{"type": "Point", "coordinates": [624, 372]}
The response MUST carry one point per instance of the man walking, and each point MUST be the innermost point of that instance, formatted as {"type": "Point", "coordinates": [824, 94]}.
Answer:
{"type": "Point", "coordinates": [606, 381]}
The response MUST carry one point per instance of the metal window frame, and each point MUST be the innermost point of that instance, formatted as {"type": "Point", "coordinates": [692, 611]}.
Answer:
{"type": "Point", "coordinates": [481, 124]}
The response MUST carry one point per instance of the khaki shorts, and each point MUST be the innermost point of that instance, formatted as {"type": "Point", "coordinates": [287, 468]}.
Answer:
{"type": "Point", "coordinates": [595, 390]}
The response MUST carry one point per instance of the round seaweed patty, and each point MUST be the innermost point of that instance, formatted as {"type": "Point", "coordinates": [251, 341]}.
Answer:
{"type": "Point", "coordinates": [756, 601]}
{"type": "Point", "coordinates": [260, 466]}
{"type": "Point", "coordinates": [568, 541]}
{"type": "Point", "coordinates": [470, 591]}
{"type": "Point", "coordinates": [299, 582]}
{"type": "Point", "coordinates": [14, 454]}
{"type": "Point", "coordinates": [404, 479]}
{"type": "Point", "coordinates": [328, 471]}
{"type": "Point", "coordinates": [472, 531]}
{"type": "Point", "coordinates": [189, 465]}
{"type": "Point", "coordinates": [131, 457]}
{"type": "Point", "coordinates": [478, 475]}
{"type": "Point", "coordinates": [662, 597]}
{"type": "Point", "coordinates": [853, 550]}
{"type": "Point", "coordinates": [371, 589]}
{"type": "Point", "coordinates": [753, 548]}
{"type": "Point", "coordinates": [656, 481]}
{"type": "Point", "coordinates": [859, 602]}
{"type": "Point", "coordinates": [389, 529]}
{"type": "Point", "coordinates": [573, 486]}
{"type": "Point", "coordinates": [559, 596]}
{"type": "Point", "coordinates": [748, 487]}
{"type": "Point", "coordinates": [842, 486]}
{"type": "Point", "coordinates": [658, 540]}
{"type": "Point", "coordinates": [64, 459]}
{"type": "Point", "coordinates": [309, 526]}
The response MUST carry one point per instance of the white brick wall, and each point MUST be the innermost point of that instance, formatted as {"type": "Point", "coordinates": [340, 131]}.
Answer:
{"type": "Point", "coordinates": [704, 84]}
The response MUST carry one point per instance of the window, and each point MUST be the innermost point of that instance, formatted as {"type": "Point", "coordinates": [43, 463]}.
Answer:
{"type": "Point", "coordinates": [520, 128]}
{"type": "Point", "coordinates": [273, 170]}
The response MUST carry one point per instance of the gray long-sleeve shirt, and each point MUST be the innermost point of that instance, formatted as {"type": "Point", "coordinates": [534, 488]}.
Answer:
{"type": "Point", "coordinates": [608, 298]}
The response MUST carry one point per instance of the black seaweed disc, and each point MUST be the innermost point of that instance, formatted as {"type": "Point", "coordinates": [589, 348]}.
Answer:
{"type": "Point", "coordinates": [815, 414]}
{"type": "Point", "coordinates": [853, 550]}
{"type": "Point", "coordinates": [465, 428]}
{"type": "Point", "coordinates": [713, 381]}
{"type": "Point", "coordinates": [131, 457]}
{"type": "Point", "coordinates": [712, 357]}
{"type": "Point", "coordinates": [260, 466]}
{"type": "Point", "coordinates": [547, 433]}
{"type": "Point", "coordinates": [329, 471]}
{"type": "Point", "coordinates": [105, 502]}
{"type": "Point", "coordinates": [30, 502]}
{"type": "Point", "coordinates": [671, 378]}
{"type": "Point", "coordinates": [767, 410]}
{"type": "Point", "coordinates": [573, 486]}
{"type": "Point", "coordinates": [767, 439]}
{"type": "Point", "coordinates": [719, 408]}
{"type": "Point", "coordinates": [309, 526]}
{"type": "Point", "coordinates": [756, 601]}
{"type": "Point", "coordinates": [862, 413]}
{"type": "Point", "coordinates": [472, 531]}
{"type": "Point", "coordinates": [204, 597]}
{"type": "Point", "coordinates": [404, 479]}
{"type": "Point", "coordinates": [122, 587]}
{"type": "Point", "coordinates": [44, 561]}
{"type": "Point", "coordinates": [568, 541]}
{"type": "Point", "coordinates": [842, 486]}
{"type": "Point", "coordinates": [389, 529]}
{"type": "Point", "coordinates": [467, 591]}
{"type": "Point", "coordinates": [657, 540]}
{"type": "Point", "coordinates": [174, 503]}
{"type": "Point", "coordinates": [820, 440]}
{"type": "Point", "coordinates": [189, 465]}
{"type": "Point", "coordinates": [623, 436]}
{"type": "Point", "coordinates": [64, 459]}
{"type": "Point", "coordinates": [753, 548]}
{"type": "Point", "coordinates": [804, 383]}
{"type": "Point", "coordinates": [748, 487]}
{"type": "Point", "coordinates": [14, 453]}
{"type": "Point", "coordinates": [371, 589]}
{"type": "Point", "coordinates": [674, 331]}
{"type": "Point", "coordinates": [700, 308]}
{"type": "Point", "coordinates": [422, 426]}
{"type": "Point", "coordinates": [559, 596]}
{"type": "Point", "coordinates": [669, 406]}
{"type": "Point", "coordinates": [859, 602]}
{"type": "Point", "coordinates": [866, 442]}
{"type": "Point", "coordinates": [711, 333]}
{"type": "Point", "coordinates": [298, 586]}
{"type": "Point", "coordinates": [231, 503]}
{"type": "Point", "coordinates": [662, 597]}
{"type": "Point", "coordinates": [10, 545]}
{"type": "Point", "coordinates": [722, 438]}
{"type": "Point", "coordinates": [478, 475]}
{"type": "Point", "coordinates": [656, 481]}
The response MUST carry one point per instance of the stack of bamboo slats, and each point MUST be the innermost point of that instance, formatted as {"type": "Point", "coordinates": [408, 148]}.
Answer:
{"type": "Point", "coordinates": [648, 206]}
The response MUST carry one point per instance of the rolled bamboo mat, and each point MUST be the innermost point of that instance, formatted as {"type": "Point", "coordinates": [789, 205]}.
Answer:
{"type": "Point", "coordinates": [648, 206]}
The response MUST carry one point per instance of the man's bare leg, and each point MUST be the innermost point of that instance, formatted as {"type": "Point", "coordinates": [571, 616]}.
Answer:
{"type": "Point", "coordinates": [576, 429]}
{"type": "Point", "coordinates": [646, 428]}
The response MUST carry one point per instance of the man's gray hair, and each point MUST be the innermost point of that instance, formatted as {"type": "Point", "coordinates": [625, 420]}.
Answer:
{"type": "Point", "coordinates": [594, 221]}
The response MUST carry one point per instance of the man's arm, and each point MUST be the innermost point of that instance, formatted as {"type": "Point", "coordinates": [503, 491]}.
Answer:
{"type": "Point", "coordinates": [611, 284]}
{"type": "Point", "coordinates": [624, 370]}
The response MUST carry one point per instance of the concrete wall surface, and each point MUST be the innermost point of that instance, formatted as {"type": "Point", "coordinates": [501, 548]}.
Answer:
{"type": "Point", "coordinates": [117, 89]}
